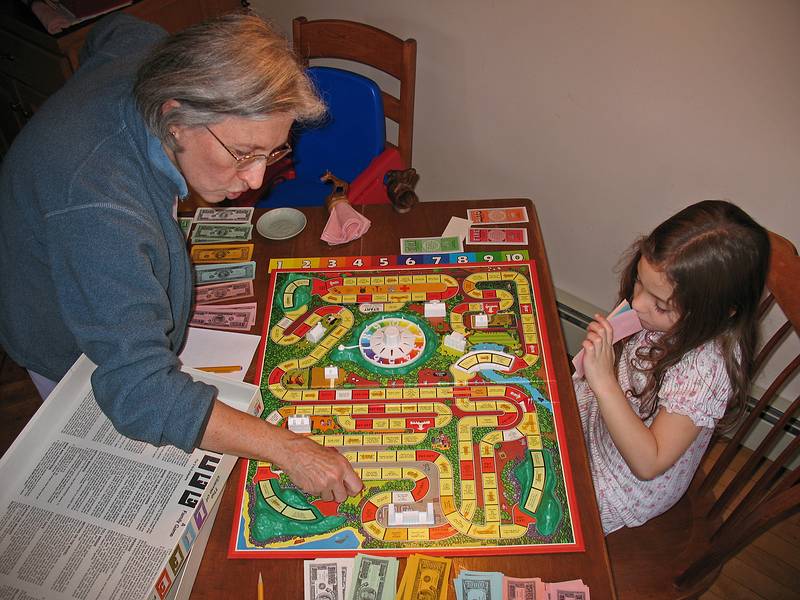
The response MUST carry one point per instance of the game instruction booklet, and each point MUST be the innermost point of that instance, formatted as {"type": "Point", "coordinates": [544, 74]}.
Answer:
{"type": "Point", "coordinates": [88, 513]}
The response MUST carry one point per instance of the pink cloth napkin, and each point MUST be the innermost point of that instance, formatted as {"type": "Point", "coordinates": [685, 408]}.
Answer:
{"type": "Point", "coordinates": [344, 225]}
{"type": "Point", "coordinates": [625, 322]}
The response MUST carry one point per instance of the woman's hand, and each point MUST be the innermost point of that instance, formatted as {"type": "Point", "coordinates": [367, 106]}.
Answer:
{"type": "Point", "coordinates": [318, 470]}
{"type": "Point", "coordinates": [313, 468]}
{"type": "Point", "coordinates": [598, 355]}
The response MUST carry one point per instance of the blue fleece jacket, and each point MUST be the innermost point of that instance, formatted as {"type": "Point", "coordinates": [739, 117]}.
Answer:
{"type": "Point", "coordinates": [91, 257]}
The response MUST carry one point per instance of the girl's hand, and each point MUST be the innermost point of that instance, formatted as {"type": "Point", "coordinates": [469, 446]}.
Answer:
{"type": "Point", "coordinates": [598, 355]}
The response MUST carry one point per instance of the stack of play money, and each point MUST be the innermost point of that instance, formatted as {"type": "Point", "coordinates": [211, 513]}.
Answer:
{"type": "Point", "coordinates": [232, 317]}
{"type": "Point", "coordinates": [478, 584]}
{"type": "Point", "coordinates": [327, 578]}
{"type": "Point", "coordinates": [374, 577]}
{"type": "Point", "coordinates": [567, 590]}
{"type": "Point", "coordinates": [222, 225]}
{"type": "Point", "coordinates": [425, 578]}
{"type": "Point", "coordinates": [532, 588]}
{"type": "Point", "coordinates": [366, 576]}
{"type": "Point", "coordinates": [223, 271]}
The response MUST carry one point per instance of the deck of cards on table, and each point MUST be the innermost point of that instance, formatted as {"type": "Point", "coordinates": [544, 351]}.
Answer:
{"type": "Point", "coordinates": [496, 216]}
{"type": "Point", "coordinates": [498, 235]}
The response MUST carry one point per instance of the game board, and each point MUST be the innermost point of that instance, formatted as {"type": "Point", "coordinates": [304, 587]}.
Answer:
{"type": "Point", "coordinates": [435, 381]}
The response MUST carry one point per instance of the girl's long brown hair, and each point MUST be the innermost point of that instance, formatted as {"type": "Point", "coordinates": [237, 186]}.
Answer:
{"type": "Point", "coordinates": [716, 257]}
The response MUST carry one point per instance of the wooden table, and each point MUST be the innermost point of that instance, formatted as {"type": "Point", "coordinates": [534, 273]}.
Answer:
{"type": "Point", "coordinates": [220, 577]}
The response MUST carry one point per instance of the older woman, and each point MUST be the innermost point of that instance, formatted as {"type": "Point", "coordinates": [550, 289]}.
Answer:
{"type": "Point", "coordinates": [92, 259]}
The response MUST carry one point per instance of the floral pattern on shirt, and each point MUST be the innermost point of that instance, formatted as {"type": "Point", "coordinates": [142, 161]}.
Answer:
{"type": "Point", "coordinates": [697, 387]}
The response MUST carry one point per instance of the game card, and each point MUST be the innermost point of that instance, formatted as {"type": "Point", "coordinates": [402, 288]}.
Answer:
{"type": "Point", "coordinates": [625, 322]}
{"type": "Point", "coordinates": [495, 216]}
{"type": "Point", "coordinates": [457, 227]}
{"type": "Point", "coordinates": [508, 236]}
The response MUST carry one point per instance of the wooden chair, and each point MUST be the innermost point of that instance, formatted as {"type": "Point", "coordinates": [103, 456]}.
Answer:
{"type": "Point", "coordinates": [350, 140]}
{"type": "Point", "coordinates": [367, 45]}
{"type": "Point", "coordinates": [680, 553]}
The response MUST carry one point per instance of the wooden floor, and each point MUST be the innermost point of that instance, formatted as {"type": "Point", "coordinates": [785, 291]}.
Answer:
{"type": "Point", "coordinates": [767, 569]}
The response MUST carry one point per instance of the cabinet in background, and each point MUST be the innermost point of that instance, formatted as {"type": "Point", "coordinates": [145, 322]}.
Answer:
{"type": "Point", "coordinates": [34, 64]}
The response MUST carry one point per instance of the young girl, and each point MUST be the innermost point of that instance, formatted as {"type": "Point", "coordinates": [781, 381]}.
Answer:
{"type": "Point", "coordinates": [650, 405]}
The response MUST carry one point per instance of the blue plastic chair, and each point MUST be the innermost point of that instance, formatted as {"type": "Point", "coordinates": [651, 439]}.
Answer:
{"type": "Point", "coordinates": [352, 134]}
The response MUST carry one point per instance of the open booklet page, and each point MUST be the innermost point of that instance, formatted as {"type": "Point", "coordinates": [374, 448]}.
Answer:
{"type": "Point", "coordinates": [88, 513]}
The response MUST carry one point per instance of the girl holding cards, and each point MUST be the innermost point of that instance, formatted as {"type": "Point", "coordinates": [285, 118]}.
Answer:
{"type": "Point", "coordinates": [650, 404]}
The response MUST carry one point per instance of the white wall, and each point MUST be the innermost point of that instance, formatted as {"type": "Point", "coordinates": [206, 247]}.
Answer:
{"type": "Point", "coordinates": [611, 115]}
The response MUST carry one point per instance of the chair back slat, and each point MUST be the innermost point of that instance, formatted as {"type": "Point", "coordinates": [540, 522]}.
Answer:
{"type": "Point", "coordinates": [733, 446]}
{"type": "Point", "coordinates": [367, 45]}
{"type": "Point", "coordinates": [774, 479]}
{"type": "Point", "coordinates": [769, 481]}
{"type": "Point", "coordinates": [767, 444]}
{"type": "Point", "coordinates": [765, 305]}
{"type": "Point", "coordinates": [790, 480]}
{"type": "Point", "coordinates": [771, 344]}
{"type": "Point", "coordinates": [349, 40]}
{"type": "Point", "coordinates": [391, 106]}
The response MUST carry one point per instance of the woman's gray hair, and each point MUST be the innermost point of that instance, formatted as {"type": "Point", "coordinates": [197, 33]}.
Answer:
{"type": "Point", "coordinates": [236, 65]}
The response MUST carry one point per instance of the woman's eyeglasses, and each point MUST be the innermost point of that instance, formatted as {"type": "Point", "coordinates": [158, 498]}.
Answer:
{"type": "Point", "coordinates": [251, 160]}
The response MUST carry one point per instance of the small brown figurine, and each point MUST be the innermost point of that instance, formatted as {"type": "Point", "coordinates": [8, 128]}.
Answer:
{"type": "Point", "coordinates": [339, 193]}
{"type": "Point", "coordinates": [400, 189]}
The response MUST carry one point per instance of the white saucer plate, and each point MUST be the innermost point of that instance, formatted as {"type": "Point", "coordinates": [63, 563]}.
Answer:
{"type": "Point", "coordinates": [281, 223]}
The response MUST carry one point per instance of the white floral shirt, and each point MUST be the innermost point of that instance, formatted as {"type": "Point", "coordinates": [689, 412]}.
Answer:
{"type": "Point", "coordinates": [697, 387]}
